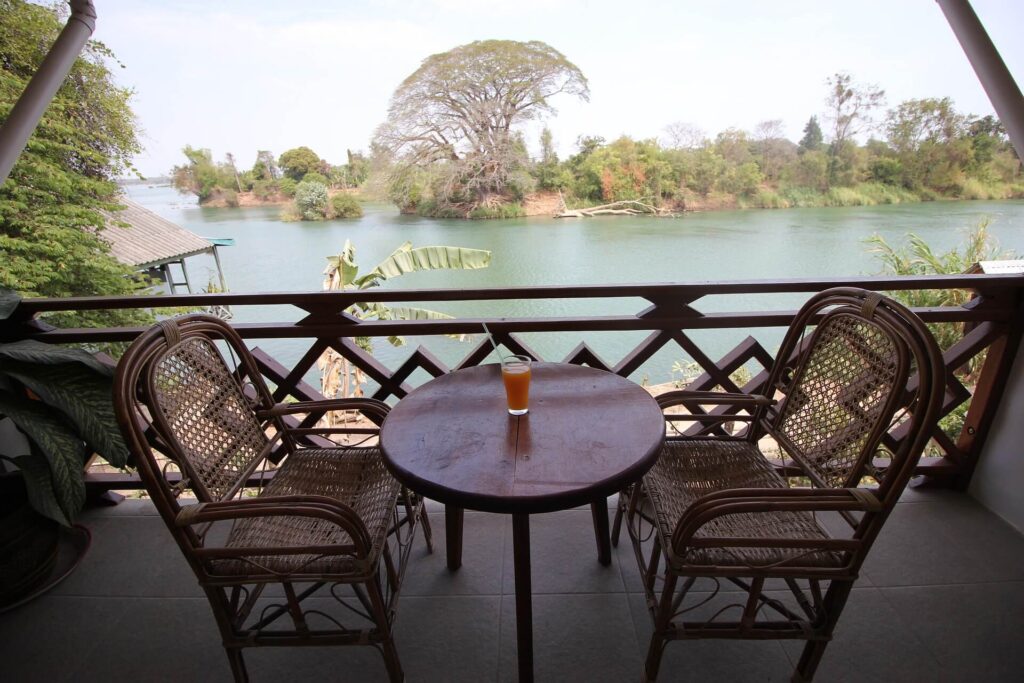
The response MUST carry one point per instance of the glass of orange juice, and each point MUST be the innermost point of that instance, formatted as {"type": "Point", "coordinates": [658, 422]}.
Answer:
{"type": "Point", "coordinates": [515, 372]}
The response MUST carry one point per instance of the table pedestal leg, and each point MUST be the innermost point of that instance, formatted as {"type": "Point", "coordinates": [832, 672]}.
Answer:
{"type": "Point", "coordinates": [524, 595]}
{"type": "Point", "coordinates": [599, 511]}
{"type": "Point", "coordinates": [453, 536]}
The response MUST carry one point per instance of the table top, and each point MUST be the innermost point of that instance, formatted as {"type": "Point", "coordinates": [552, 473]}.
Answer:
{"type": "Point", "coordinates": [589, 433]}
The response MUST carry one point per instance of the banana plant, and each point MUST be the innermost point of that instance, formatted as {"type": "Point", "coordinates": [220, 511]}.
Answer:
{"type": "Point", "coordinates": [342, 274]}
{"type": "Point", "coordinates": [61, 400]}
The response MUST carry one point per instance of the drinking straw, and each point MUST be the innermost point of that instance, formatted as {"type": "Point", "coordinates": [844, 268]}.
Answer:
{"type": "Point", "coordinates": [496, 349]}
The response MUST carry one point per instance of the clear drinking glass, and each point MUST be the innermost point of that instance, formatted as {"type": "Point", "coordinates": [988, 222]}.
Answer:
{"type": "Point", "coordinates": [515, 372]}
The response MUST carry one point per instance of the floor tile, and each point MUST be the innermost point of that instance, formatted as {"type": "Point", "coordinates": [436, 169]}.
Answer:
{"type": "Point", "coordinates": [712, 660]}
{"type": "Point", "coordinates": [160, 639]}
{"type": "Point", "coordinates": [973, 630]}
{"type": "Point", "coordinates": [563, 556]}
{"type": "Point", "coordinates": [483, 539]}
{"type": "Point", "coordinates": [131, 555]}
{"type": "Point", "coordinates": [453, 638]}
{"type": "Point", "coordinates": [563, 553]}
{"type": "Point", "coordinates": [872, 643]}
{"type": "Point", "coordinates": [575, 638]}
{"type": "Point", "coordinates": [49, 638]}
{"type": "Point", "coordinates": [953, 541]}
{"type": "Point", "coordinates": [948, 609]}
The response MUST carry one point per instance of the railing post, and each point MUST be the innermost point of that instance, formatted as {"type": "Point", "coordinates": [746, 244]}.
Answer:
{"type": "Point", "coordinates": [988, 394]}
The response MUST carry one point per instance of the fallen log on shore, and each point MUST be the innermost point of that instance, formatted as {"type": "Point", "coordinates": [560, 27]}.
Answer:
{"type": "Point", "coordinates": [627, 207]}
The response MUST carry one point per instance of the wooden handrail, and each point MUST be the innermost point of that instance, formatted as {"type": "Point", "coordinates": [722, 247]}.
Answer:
{"type": "Point", "coordinates": [668, 312]}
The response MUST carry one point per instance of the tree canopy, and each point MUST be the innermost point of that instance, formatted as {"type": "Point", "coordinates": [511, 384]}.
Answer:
{"type": "Point", "coordinates": [461, 107]}
{"type": "Point", "coordinates": [297, 162]}
{"type": "Point", "coordinates": [50, 206]}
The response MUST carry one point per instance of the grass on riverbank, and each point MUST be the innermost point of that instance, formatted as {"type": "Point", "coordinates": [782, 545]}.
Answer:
{"type": "Point", "coordinates": [872, 194]}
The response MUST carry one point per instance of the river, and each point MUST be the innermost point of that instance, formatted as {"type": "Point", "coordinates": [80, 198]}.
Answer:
{"type": "Point", "coordinates": [271, 255]}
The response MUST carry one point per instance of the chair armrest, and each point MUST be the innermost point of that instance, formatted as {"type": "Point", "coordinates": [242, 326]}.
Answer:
{"type": "Point", "coordinates": [753, 500]}
{"type": "Point", "coordinates": [672, 398]}
{"type": "Point", "coordinates": [369, 406]}
{"type": "Point", "coordinates": [319, 507]}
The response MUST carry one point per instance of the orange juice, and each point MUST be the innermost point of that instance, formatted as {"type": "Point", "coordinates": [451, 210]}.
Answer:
{"type": "Point", "coordinates": [515, 372]}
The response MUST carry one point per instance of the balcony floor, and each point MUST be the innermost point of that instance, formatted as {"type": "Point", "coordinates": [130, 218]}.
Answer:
{"type": "Point", "coordinates": [941, 598]}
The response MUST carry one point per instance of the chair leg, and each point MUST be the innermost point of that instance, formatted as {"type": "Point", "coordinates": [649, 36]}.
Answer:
{"type": "Point", "coordinates": [617, 522]}
{"type": "Point", "coordinates": [428, 534]}
{"type": "Point", "coordinates": [835, 600]}
{"type": "Point", "coordinates": [387, 649]}
{"type": "Point", "coordinates": [662, 621]}
{"type": "Point", "coordinates": [391, 663]}
{"type": "Point", "coordinates": [237, 662]}
{"type": "Point", "coordinates": [653, 662]}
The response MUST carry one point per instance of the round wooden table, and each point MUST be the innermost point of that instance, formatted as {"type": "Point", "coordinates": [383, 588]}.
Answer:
{"type": "Point", "coordinates": [589, 433]}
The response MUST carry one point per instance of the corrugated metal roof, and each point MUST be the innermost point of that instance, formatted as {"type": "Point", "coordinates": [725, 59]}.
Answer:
{"type": "Point", "coordinates": [149, 240]}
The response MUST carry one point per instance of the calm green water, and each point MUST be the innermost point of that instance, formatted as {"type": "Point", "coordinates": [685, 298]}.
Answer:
{"type": "Point", "coordinates": [270, 255]}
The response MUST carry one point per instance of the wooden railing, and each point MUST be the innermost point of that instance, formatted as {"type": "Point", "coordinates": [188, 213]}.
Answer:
{"type": "Point", "coordinates": [992, 323]}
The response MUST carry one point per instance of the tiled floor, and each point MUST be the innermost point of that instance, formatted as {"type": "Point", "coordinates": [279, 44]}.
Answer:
{"type": "Point", "coordinates": [941, 598]}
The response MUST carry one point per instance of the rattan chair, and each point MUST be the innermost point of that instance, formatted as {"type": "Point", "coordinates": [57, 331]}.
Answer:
{"type": "Point", "coordinates": [328, 515]}
{"type": "Point", "coordinates": [849, 405]}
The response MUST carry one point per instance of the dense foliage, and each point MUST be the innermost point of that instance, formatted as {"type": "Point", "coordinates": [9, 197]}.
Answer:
{"type": "Point", "coordinates": [52, 205]}
{"type": "Point", "coordinates": [299, 174]}
{"type": "Point", "coordinates": [919, 150]}
{"type": "Point", "coordinates": [916, 257]}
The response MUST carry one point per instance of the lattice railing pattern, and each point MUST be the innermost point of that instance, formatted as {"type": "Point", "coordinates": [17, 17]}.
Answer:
{"type": "Point", "coordinates": [992, 322]}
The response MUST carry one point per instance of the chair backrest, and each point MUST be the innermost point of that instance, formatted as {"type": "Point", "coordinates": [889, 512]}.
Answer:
{"type": "Point", "coordinates": [173, 386]}
{"type": "Point", "coordinates": [856, 370]}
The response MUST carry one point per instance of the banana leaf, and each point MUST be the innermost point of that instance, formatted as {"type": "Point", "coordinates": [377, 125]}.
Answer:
{"type": "Point", "coordinates": [407, 259]}
{"type": "Point", "coordinates": [345, 264]}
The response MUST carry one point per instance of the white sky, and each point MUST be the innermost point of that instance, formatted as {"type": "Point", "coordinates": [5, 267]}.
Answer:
{"type": "Point", "coordinates": [240, 76]}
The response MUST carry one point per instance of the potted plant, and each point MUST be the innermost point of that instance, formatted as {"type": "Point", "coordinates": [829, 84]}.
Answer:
{"type": "Point", "coordinates": [60, 400]}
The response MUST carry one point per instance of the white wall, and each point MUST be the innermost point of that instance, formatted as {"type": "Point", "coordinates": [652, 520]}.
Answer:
{"type": "Point", "coordinates": [998, 482]}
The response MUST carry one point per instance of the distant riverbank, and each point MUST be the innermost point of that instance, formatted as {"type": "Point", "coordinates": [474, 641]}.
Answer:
{"type": "Point", "coordinates": [549, 203]}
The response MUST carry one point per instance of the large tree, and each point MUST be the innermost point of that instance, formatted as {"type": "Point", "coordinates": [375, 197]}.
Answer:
{"type": "Point", "coordinates": [812, 138]}
{"type": "Point", "coordinates": [296, 163]}
{"type": "Point", "coordinates": [51, 206]}
{"type": "Point", "coordinates": [930, 140]}
{"type": "Point", "coordinates": [461, 108]}
{"type": "Point", "coordinates": [849, 110]}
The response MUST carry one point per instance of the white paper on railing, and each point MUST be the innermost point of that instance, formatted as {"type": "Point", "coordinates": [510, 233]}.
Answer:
{"type": "Point", "coordinates": [1002, 267]}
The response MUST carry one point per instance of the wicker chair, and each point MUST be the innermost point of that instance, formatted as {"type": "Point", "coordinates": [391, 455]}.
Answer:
{"type": "Point", "coordinates": [327, 515]}
{"type": "Point", "coordinates": [850, 403]}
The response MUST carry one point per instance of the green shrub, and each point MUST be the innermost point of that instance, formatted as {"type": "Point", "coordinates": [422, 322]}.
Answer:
{"type": "Point", "coordinates": [287, 186]}
{"type": "Point", "coordinates": [510, 210]}
{"type": "Point", "coordinates": [314, 177]}
{"type": "Point", "coordinates": [263, 189]}
{"type": "Point", "coordinates": [846, 196]}
{"type": "Point", "coordinates": [345, 206]}
{"type": "Point", "coordinates": [769, 199]}
{"type": "Point", "coordinates": [311, 200]}
{"type": "Point", "coordinates": [886, 170]}
{"type": "Point", "coordinates": [886, 194]}
{"type": "Point", "coordinates": [802, 197]}
{"type": "Point", "coordinates": [230, 198]}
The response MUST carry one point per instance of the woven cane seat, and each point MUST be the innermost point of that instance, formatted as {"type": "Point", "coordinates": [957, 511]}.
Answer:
{"type": "Point", "coordinates": [691, 468]}
{"type": "Point", "coordinates": [354, 476]}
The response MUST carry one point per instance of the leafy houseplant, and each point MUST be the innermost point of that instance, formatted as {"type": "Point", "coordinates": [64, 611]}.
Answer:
{"type": "Point", "coordinates": [60, 399]}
